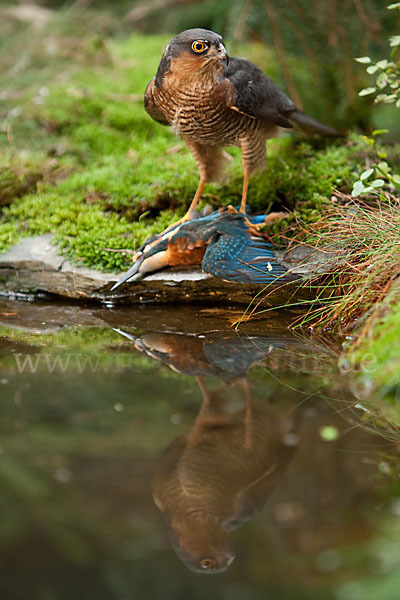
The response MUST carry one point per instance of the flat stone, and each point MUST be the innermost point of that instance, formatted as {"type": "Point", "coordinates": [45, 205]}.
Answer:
{"type": "Point", "coordinates": [34, 253]}
{"type": "Point", "coordinates": [34, 267]}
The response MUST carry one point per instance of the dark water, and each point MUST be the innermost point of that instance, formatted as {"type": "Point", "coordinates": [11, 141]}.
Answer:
{"type": "Point", "coordinates": [160, 454]}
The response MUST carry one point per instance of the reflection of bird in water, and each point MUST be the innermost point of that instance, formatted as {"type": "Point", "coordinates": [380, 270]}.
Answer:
{"type": "Point", "coordinates": [221, 473]}
{"type": "Point", "coordinates": [229, 356]}
{"type": "Point", "coordinates": [218, 476]}
{"type": "Point", "coordinates": [232, 462]}
{"type": "Point", "coordinates": [226, 244]}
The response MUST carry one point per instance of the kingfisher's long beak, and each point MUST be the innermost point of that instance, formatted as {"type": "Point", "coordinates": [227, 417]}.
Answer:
{"type": "Point", "coordinates": [134, 270]}
{"type": "Point", "coordinates": [144, 265]}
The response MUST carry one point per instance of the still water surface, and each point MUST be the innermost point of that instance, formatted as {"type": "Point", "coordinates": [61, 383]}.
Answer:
{"type": "Point", "coordinates": [160, 454]}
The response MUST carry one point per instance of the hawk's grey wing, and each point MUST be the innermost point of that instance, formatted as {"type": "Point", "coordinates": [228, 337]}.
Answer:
{"type": "Point", "coordinates": [255, 94]}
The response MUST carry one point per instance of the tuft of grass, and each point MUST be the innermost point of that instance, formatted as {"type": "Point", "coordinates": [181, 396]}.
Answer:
{"type": "Point", "coordinates": [363, 240]}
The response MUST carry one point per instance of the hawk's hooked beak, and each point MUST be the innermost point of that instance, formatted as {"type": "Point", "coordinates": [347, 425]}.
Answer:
{"type": "Point", "coordinates": [218, 52]}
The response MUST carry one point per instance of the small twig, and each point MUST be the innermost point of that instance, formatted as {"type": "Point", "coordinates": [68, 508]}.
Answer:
{"type": "Point", "coordinates": [81, 4]}
{"type": "Point", "coordinates": [175, 149]}
{"type": "Point", "coordinates": [10, 137]}
{"type": "Point", "coordinates": [144, 9]}
{"type": "Point", "coordinates": [241, 22]}
{"type": "Point", "coordinates": [125, 97]}
{"type": "Point", "coordinates": [121, 250]}
{"type": "Point", "coordinates": [281, 52]}
{"type": "Point", "coordinates": [274, 216]}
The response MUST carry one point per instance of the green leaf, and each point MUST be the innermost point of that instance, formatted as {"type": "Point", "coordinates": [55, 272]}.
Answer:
{"type": "Point", "coordinates": [390, 98]}
{"type": "Point", "coordinates": [379, 98]}
{"type": "Point", "coordinates": [379, 132]}
{"type": "Point", "coordinates": [398, 103]}
{"type": "Point", "coordinates": [394, 40]}
{"type": "Point", "coordinates": [358, 188]}
{"type": "Point", "coordinates": [393, 6]}
{"type": "Point", "coordinates": [395, 179]}
{"type": "Point", "coordinates": [381, 80]}
{"type": "Point", "coordinates": [377, 183]}
{"type": "Point", "coordinates": [382, 64]}
{"type": "Point", "coordinates": [381, 153]}
{"type": "Point", "coordinates": [372, 69]}
{"type": "Point", "coordinates": [366, 174]}
{"type": "Point", "coordinates": [383, 167]}
{"type": "Point", "coordinates": [367, 91]}
{"type": "Point", "coordinates": [364, 60]}
{"type": "Point", "coordinates": [368, 140]}
{"type": "Point", "coordinates": [329, 433]}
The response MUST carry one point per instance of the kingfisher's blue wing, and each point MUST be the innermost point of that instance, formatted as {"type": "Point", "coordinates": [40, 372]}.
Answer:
{"type": "Point", "coordinates": [243, 259]}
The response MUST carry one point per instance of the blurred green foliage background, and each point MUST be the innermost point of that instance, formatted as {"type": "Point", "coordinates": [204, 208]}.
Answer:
{"type": "Point", "coordinates": [314, 42]}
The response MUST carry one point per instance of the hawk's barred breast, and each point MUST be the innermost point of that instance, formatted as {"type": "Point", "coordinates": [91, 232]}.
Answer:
{"type": "Point", "coordinates": [201, 114]}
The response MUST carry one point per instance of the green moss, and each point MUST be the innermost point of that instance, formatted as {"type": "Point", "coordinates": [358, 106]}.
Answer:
{"type": "Point", "coordinates": [298, 175]}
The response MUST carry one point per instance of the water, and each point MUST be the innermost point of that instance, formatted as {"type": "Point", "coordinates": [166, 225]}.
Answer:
{"type": "Point", "coordinates": [160, 454]}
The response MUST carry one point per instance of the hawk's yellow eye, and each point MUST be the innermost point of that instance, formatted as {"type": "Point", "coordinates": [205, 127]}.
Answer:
{"type": "Point", "coordinates": [207, 563]}
{"type": "Point", "coordinates": [199, 46]}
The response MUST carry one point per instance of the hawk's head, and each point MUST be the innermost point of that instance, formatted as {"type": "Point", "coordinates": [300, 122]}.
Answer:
{"type": "Point", "coordinates": [193, 51]}
{"type": "Point", "coordinates": [201, 43]}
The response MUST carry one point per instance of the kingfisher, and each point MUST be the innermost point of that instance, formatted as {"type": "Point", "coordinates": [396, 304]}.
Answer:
{"type": "Point", "coordinates": [226, 244]}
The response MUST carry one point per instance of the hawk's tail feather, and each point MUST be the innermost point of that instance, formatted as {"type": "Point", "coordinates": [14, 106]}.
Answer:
{"type": "Point", "coordinates": [311, 125]}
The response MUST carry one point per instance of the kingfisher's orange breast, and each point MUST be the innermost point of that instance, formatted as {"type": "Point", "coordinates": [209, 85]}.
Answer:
{"type": "Point", "coordinates": [184, 253]}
